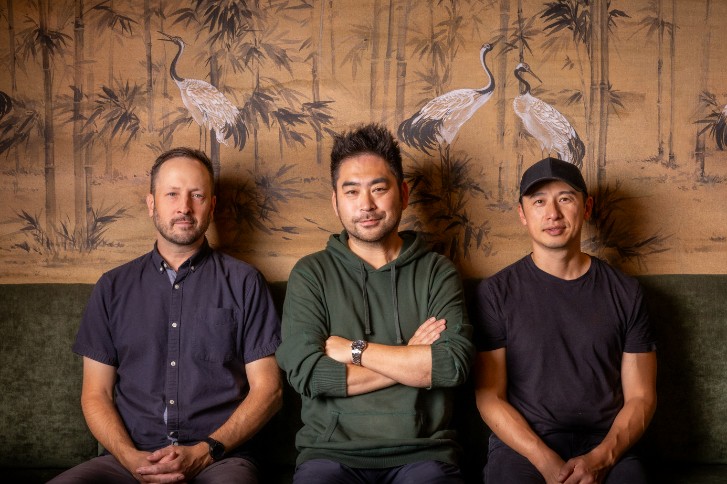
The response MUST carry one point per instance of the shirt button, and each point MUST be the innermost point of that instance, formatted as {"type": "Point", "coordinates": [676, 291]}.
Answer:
{"type": "Point", "coordinates": [174, 325]}
{"type": "Point", "coordinates": [176, 286]}
{"type": "Point", "coordinates": [171, 402]}
{"type": "Point", "coordinates": [192, 268]}
{"type": "Point", "coordinates": [174, 363]}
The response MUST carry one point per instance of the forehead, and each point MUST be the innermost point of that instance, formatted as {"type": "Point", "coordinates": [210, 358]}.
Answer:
{"type": "Point", "coordinates": [363, 167]}
{"type": "Point", "coordinates": [178, 168]}
{"type": "Point", "coordinates": [550, 187]}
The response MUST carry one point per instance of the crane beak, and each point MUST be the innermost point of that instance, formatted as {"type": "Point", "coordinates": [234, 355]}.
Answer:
{"type": "Point", "coordinates": [535, 76]}
{"type": "Point", "coordinates": [168, 37]}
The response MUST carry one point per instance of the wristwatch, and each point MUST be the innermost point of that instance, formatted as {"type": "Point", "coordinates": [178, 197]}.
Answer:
{"type": "Point", "coordinates": [357, 348]}
{"type": "Point", "coordinates": [217, 448]}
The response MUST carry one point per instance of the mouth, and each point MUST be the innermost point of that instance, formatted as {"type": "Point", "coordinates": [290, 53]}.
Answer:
{"type": "Point", "coordinates": [184, 222]}
{"type": "Point", "coordinates": [368, 221]}
{"type": "Point", "coordinates": [554, 230]}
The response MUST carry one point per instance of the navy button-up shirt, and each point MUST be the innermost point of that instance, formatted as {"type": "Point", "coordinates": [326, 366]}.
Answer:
{"type": "Point", "coordinates": [179, 348]}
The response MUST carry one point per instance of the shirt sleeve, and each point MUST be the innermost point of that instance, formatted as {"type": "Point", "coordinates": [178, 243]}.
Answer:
{"type": "Point", "coordinates": [261, 325]}
{"type": "Point", "coordinates": [453, 352]}
{"type": "Point", "coordinates": [304, 330]}
{"type": "Point", "coordinates": [489, 327]}
{"type": "Point", "coordinates": [639, 335]}
{"type": "Point", "coordinates": [93, 339]}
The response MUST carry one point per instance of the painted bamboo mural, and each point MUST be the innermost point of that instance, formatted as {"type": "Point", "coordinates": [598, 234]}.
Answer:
{"type": "Point", "coordinates": [476, 90]}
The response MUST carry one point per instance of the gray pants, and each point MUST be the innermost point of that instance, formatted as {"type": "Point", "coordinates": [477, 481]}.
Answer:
{"type": "Point", "coordinates": [106, 469]}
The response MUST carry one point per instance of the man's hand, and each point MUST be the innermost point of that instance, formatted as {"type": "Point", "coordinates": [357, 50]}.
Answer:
{"type": "Point", "coordinates": [133, 460]}
{"type": "Point", "coordinates": [175, 463]}
{"type": "Point", "coordinates": [339, 349]}
{"type": "Point", "coordinates": [584, 469]}
{"type": "Point", "coordinates": [428, 332]}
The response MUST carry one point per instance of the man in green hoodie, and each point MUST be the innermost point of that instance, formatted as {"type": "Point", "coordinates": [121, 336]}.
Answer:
{"type": "Point", "coordinates": [375, 333]}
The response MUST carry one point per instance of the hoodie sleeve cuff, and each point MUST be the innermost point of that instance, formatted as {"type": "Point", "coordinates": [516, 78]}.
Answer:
{"type": "Point", "coordinates": [330, 378]}
{"type": "Point", "coordinates": [445, 370]}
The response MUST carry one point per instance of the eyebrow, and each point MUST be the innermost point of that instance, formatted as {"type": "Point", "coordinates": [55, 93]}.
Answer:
{"type": "Point", "coordinates": [171, 187]}
{"type": "Point", "coordinates": [541, 192]}
{"type": "Point", "coordinates": [375, 181]}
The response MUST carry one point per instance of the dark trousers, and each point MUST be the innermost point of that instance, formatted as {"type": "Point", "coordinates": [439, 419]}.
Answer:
{"type": "Point", "coordinates": [322, 471]}
{"type": "Point", "coordinates": [106, 469]}
{"type": "Point", "coordinates": [505, 466]}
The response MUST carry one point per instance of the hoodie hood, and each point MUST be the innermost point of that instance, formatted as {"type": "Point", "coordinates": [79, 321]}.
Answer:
{"type": "Point", "coordinates": [413, 248]}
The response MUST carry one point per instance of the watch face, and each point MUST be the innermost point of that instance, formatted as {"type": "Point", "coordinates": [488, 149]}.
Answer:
{"type": "Point", "coordinates": [217, 449]}
{"type": "Point", "coordinates": [357, 348]}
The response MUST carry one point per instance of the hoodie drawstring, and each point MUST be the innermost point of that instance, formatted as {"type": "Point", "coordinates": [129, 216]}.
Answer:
{"type": "Point", "coordinates": [364, 280]}
{"type": "Point", "coordinates": [395, 298]}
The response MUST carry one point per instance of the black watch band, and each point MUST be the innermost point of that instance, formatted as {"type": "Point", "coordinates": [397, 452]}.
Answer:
{"type": "Point", "coordinates": [217, 448]}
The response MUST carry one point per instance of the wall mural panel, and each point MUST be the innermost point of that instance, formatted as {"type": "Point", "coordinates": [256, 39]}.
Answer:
{"type": "Point", "coordinates": [630, 91]}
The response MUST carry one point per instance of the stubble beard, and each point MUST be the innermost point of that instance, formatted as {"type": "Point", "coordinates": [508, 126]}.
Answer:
{"type": "Point", "coordinates": [377, 237]}
{"type": "Point", "coordinates": [186, 237]}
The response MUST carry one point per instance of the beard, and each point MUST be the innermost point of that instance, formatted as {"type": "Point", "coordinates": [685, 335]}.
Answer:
{"type": "Point", "coordinates": [187, 236]}
{"type": "Point", "coordinates": [386, 228]}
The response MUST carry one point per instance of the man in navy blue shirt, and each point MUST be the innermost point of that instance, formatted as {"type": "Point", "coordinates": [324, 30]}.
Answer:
{"type": "Point", "coordinates": [178, 348]}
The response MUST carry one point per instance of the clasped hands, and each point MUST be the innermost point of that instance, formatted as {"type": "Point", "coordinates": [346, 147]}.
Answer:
{"type": "Point", "coordinates": [339, 348]}
{"type": "Point", "coordinates": [174, 463]}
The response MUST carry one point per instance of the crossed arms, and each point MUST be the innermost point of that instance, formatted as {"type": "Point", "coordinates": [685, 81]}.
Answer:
{"type": "Point", "coordinates": [175, 463]}
{"type": "Point", "coordinates": [384, 365]}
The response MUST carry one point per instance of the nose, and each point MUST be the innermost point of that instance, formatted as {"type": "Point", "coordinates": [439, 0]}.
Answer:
{"type": "Point", "coordinates": [553, 211]}
{"type": "Point", "coordinates": [186, 204]}
{"type": "Point", "coordinates": [367, 202]}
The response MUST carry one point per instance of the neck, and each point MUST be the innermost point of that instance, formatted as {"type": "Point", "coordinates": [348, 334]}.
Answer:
{"type": "Point", "coordinates": [524, 85]}
{"type": "Point", "coordinates": [563, 264]}
{"type": "Point", "coordinates": [491, 81]}
{"type": "Point", "coordinates": [377, 254]}
{"type": "Point", "coordinates": [173, 65]}
{"type": "Point", "coordinates": [174, 254]}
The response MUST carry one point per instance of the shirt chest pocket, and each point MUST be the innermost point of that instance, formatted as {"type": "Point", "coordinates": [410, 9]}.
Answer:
{"type": "Point", "coordinates": [215, 335]}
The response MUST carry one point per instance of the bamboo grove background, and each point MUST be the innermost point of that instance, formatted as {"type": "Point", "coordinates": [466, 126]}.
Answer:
{"type": "Point", "coordinates": [87, 101]}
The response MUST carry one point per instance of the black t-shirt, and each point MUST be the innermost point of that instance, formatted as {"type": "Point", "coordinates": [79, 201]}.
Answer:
{"type": "Point", "coordinates": [564, 341]}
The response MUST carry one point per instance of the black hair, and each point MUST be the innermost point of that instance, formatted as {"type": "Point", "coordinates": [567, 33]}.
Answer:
{"type": "Point", "coordinates": [373, 139]}
{"type": "Point", "coordinates": [182, 152]}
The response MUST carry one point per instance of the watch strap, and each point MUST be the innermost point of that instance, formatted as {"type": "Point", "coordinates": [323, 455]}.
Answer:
{"type": "Point", "coordinates": [217, 448]}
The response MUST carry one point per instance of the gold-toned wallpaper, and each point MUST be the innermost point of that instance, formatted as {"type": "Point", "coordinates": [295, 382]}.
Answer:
{"type": "Point", "coordinates": [91, 92]}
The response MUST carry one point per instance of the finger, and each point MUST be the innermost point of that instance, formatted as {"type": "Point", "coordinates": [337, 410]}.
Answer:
{"type": "Point", "coordinates": [425, 325]}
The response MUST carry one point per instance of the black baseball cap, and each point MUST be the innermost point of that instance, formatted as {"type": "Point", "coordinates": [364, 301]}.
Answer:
{"type": "Point", "coordinates": [553, 169]}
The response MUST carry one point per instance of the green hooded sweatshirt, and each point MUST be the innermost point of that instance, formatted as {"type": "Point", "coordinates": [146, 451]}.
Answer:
{"type": "Point", "coordinates": [334, 292]}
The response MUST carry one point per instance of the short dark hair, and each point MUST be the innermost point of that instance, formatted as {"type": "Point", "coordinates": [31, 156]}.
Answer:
{"type": "Point", "coordinates": [373, 139]}
{"type": "Point", "coordinates": [182, 152]}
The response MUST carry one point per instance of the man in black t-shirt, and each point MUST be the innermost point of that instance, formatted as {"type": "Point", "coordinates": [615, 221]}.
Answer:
{"type": "Point", "coordinates": [566, 369]}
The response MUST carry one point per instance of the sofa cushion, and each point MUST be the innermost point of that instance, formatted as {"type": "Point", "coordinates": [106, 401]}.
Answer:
{"type": "Point", "coordinates": [41, 424]}
{"type": "Point", "coordinates": [689, 313]}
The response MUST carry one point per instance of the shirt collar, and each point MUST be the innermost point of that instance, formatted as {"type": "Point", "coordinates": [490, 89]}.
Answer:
{"type": "Point", "coordinates": [192, 263]}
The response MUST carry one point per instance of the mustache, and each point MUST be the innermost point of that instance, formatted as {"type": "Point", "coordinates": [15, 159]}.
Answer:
{"type": "Point", "coordinates": [184, 218]}
{"type": "Point", "coordinates": [368, 217]}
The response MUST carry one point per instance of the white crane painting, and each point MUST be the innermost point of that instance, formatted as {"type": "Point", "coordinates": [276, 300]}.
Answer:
{"type": "Point", "coordinates": [439, 121]}
{"type": "Point", "coordinates": [546, 124]}
{"type": "Point", "coordinates": [209, 108]}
